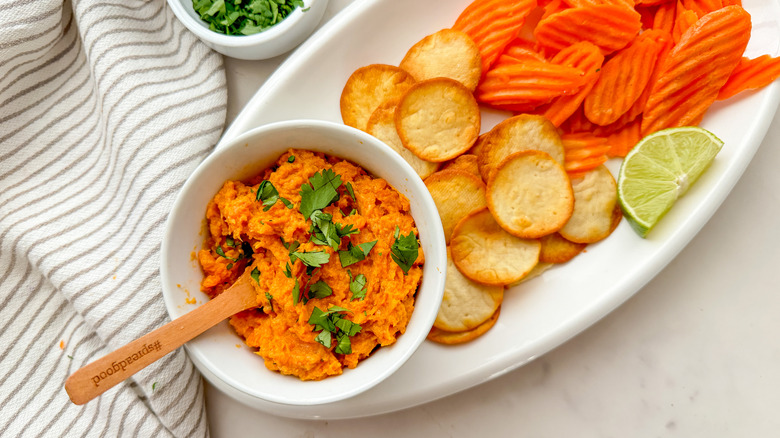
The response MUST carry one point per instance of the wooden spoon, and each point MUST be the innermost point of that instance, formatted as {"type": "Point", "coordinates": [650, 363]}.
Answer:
{"type": "Point", "coordinates": [101, 375]}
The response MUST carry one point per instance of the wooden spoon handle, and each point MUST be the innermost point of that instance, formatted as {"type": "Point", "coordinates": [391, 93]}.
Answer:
{"type": "Point", "coordinates": [99, 376]}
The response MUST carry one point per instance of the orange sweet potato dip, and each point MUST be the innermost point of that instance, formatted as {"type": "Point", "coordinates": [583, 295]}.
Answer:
{"type": "Point", "coordinates": [307, 266]}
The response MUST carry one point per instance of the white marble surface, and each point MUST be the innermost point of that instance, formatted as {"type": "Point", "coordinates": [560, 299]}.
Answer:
{"type": "Point", "coordinates": [694, 353]}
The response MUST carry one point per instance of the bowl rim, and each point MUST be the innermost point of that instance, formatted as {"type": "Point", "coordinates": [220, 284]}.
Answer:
{"type": "Point", "coordinates": [237, 41]}
{"type": "Point", "coordinates": [436, 272]}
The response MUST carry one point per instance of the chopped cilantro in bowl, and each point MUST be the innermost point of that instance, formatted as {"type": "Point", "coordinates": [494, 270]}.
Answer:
{"type": "Point", "coordinates": [244, 17]}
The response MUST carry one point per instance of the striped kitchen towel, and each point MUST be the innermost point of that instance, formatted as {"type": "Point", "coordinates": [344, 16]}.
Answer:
{"type": "Point", "coordinates": [105, 108]}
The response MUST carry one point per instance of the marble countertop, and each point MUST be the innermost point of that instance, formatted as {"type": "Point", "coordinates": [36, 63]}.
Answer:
{"type": "Point", "coordinates": [693, 353]}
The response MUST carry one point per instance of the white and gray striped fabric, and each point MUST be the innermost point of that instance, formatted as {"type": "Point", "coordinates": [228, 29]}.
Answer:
{"type": "Point", "coordinates": [105, 108]}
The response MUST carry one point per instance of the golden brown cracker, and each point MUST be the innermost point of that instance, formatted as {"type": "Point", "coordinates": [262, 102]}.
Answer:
{"type": "Point", "coordinates": [530, 195]}
{"type": "Point", "coordinates": [438, 119]}
{"type": "Point", "coordinates": [367, 88]}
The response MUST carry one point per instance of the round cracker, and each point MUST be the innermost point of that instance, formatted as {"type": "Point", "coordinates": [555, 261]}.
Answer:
{"type": "Point", "coordinates": [456, 193]}
{"type": "Point", "coordinates": [538, 270]}
{"type": "Point", "coordinates": [381, 125]}
{"type": "Point", "coordinates": [465, 162]}
{"type": "Point", "coordinates": [371, 86]}
{"type": "Point", "coordinates": [595, 198]}
{"type": "Point", "coordinates": [557, 249]}
{"type": "Point", "coordinates": [530, 194]}
{"type": "Point", "coordinates": [453, 338]}
{"type": "Point", "coordinates": [519, 133]}
{"type": "Point", "coordinates": [438, 119]}
{"type": "Point", "coordinates": [466, 304]}
{"type": "Point", "coordinates": [486, 253]}
{"type": "Point", "coordinates": [447, 53]}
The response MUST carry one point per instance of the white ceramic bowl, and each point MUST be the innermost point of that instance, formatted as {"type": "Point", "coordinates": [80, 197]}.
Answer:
{"type": "Point", "coordinates": [220, 353]}
{"type": "Point", "coordinates": [279, 39]}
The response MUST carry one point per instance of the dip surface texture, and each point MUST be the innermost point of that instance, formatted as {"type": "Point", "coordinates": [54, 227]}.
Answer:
{"type": "Point", "coordinates": [289, 292]}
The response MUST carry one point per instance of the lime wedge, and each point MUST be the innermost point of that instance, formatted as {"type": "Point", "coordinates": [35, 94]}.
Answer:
{"type": "Point", "coordinates": [660, 169]}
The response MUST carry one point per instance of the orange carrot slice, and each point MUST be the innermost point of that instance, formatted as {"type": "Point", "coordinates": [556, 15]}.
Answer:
{"type": "Point", "coordinates": [751, 74]}
{"type": "Point", "coordinates": [584, 151]}
{"type": "Point", "coordinates": [664, 17]}
{"type": "Point", "coordinates": [585, 57]}
{"type": "Point", "coordinates": [684, 19]}
{"type": "Point", "coordinates": [492, 24]}
{"type": "Point", "coordinates": [664, 40]}
{"type": "Point", "coordinates": [553, 7]}
{"type": "Point", "coordinates": [610, 27]}
{"type": "Point", "coordinates": [623, 79]}
{"type": "Point", "coordinates": [623, 140]}
{"type": "Point", "coordinates": [520, 48]}
{"type": "Point", "coordinates": [588, 3]}
{"type": "Point", "coordinates": [527, 83]}
{"type": "Point", "coordinates": [696, 68]}
{"type": "Point", "coordinates": [702, 7]}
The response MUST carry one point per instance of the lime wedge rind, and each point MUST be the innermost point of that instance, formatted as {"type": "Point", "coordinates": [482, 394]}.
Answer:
{"type": "Point", "coordinates": [660, 169]}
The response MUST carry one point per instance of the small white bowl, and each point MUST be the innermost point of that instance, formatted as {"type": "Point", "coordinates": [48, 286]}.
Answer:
{"type": "Point", "coordinates": [279, 39]}
{"type": "Point", "coordinates": [220, 353]}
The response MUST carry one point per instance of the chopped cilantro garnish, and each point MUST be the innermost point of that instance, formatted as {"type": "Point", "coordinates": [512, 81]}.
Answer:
{"type": "Point", "coordinates": [351, 191]}
{"type": "Point", "coordinates": [229, 266]}
{"type": "Point", "coordinates": [296, 292]}
{"type": "Point", "coordinates": [357, 285]}
{"type": "Point", "coordinates": [288, 270]}
{"type": "Point", "coordinates": [355, 253]}
{"type": "Point", "coordinates": [270, 298]}
{"type": "Point", "coordinates": [320, 289]}
{"type": "Point", "coordinates": [244, 17]}
{"type": "Point", "coordinates": [323, 338]}
{"type": "Point", "coordinates": [230, 242]}
{"type": "Point", "coordinates": [332, 322]}
{"type": "Point", "coordinates": [313, 259]}
{"type": "Point", "coordinates": [325, 232]}
{"type": "Point", "coordinates": [404, 250]}
{"type": "Point", "coordinates": [321, 190]}
{"type": "Point", "coordinates": [154, 386]}
{"type": "Point", "coordinates": [291, 159]}
{"type": "Point", "coordinates": [221, 253]}
{"type": "Point", "coordinates": [255, 274]}
{"type": "Point", "coordinates": [268, 194]}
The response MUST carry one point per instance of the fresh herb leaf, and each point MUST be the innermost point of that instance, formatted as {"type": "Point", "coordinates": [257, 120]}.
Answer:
{"type": "Point", "coordinates": [343, 344]}
{"type": "Point", "coordinates": [346, 230]}
{"type": "Point", "coordinates": [154, 386]}
{"type": "Point", "coordinates": [296, 292]}
{"type": "Point", "coordinates": [357, 285]}
{"type": "Point", "coordinates": [268, 194]}
{"type": "Point", "coordinates": [229, 266]}
{"type": "Point", "coordinates": [288, 270]}
{"type": "Point", "coordinates": [323, 231]}
{"type": "Point", "coordinates": [347, 326]}
{"type": "Point", "coordinates": [255, 274]}
{"type": "Point", "coordinates": [332, 322]}
{"type": "Point", "coordinates": [70, 357]}
{"type": "Point", "coordinates": [326, 232]}
{"type": "Point", "coordinates": [320, 289]}
{"type": "Point", "coordinates": [230, 242]}
{"type": "Point", "coordinates": [314, 259]}
{"type": "Point", "coordinates": [404, 250]}
{"type": "Point", "coordinates": [355, 253]}
{"type": "Point", "coordinates": [291, 159]}
{"type": "Point", "coordinates": [351, 191]}
{"type": "Point", "coordinates": [244, 18]}
{"type": "Point", "coordinates": [221, 253]}
{"type": "Point", "coordinates": [270, 298]}
{"type": "Point", "coordinates": [319, 192]}
{"type": "Point", "coordinates": [324, 338]}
